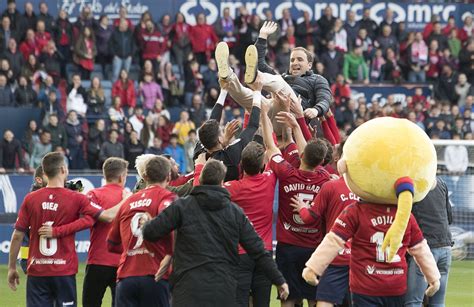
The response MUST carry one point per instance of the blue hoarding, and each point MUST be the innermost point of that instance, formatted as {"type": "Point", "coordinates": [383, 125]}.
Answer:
{"type": "Point", "coordinates": [414, 14]}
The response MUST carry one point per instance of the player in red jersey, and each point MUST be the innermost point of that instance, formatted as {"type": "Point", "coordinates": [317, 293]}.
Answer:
{"type": "Point", "coordinates": [101, 269]}
{"type": "Point", "coordinates": [373, 280]}
{"type": "Point", "coordinates": [139, 263]}
{"type": "Point", "coordinates": [254, 193]}
{"type": "Point", "coordinates": [296, 240]}
{"type": "Point", "coordinates": [331, 200]}
{"type": "Point", "coordinates": [52, 263]}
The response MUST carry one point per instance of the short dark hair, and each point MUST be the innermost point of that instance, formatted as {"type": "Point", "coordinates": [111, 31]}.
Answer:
{"type": "Point", "coordinates": [173, 136]}
{"type": "Point", "coordinates": [314, 153]}
{"type": "Point", "coordinates": [309, 54]}
{"type": "Point", "coordinates": [192, 131]}
{"type": "Point", "coordinates": [209, 133]}
{"type": "Point", "coordinates": [52, 163]}
{"type": "Point", "coordinates": [157, 169]}
{"type": "Point", "coordinates": [340, 149]}
{"type": "Point", "coordinates": [213, 172]}
{"type": "Point", "coordinates": [113, 168]}
{"type": "Point", "coordinates": [330, 150]}
{"type": "Point", "coordinates": [38, 172]}
{"type": "Point", "coordinates": [252, 158]}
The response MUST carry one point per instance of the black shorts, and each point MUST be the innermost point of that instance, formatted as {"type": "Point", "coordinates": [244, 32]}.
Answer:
{"type": "Point", "coordinates": [51, 291]}
{"type": "Point", "coordinates": [291, 262]}
{"type": "Point", "coordinates": [333, 284]}
{"type": "Point", "coordinates": [96, 281]}
{"type": "Point", "coordinates": [360, 300]}
{"type": "Point", "coordinates": [142, 291]}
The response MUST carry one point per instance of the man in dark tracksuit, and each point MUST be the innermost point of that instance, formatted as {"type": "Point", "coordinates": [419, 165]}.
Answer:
{"type": "Point", "coordinates": [313, 89]}
{"type": "Point", "coordinates": [433, 214]}
{"type": "Point", "coordinates": [209, 229]}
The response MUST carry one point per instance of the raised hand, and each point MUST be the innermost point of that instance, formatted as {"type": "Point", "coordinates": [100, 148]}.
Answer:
{"type": "Point", "coordinates": [230, 130]}
{"type": "Point", "coordinates": [268, 28]}
{"type": "Point", "coordinates": [287, 119]}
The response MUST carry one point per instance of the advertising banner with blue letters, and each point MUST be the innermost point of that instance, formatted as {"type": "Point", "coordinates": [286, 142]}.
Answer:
{"type": "Point", "coordinates": [414, 14]}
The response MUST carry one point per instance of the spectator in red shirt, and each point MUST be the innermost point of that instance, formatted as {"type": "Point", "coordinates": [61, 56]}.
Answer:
{"type": "Point", "coordinates": [123, 15]}
{"type": "Point", "coordinates": [42, 37]}
{"type": "Point", "coordinates": [153, 45]}
{"type": "Point", "coordinates": [28, 46]}
{"type": "Point", "coordinates": [63, 36]}
{"type": "Point", "coordinates": [450, 26]}
{"type": "Point", "coordinates": [203, 39]}
{"type": "Point", "coordinates": [434, 60]}
{"type": "Point", "coordinates": [467, 30]}
{"type": "Point", "coordinates": [341, 91]}
{"type": "Point", "coordinates": [181, 41]}
{"type": "Point", "coordinates": [125, 88]}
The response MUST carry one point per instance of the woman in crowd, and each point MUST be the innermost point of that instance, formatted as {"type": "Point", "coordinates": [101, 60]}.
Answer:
{"type": "Point", "coordinates": [84, 52]}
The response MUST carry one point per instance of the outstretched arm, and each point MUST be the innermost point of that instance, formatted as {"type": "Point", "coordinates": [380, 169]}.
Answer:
{"type": "Point", "coordinates": [267, 130]}
{"type": "Point", "coordinates": [289, 120]}
{"type": "Point", "coordinates": [268, 28]}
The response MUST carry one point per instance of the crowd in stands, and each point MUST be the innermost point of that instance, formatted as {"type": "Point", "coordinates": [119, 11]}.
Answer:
{"type": "Point", "coordinates": [106, 87]}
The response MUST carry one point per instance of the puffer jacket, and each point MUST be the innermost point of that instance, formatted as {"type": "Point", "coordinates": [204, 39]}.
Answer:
{"type": "Point", "coordinates": [313, 88]}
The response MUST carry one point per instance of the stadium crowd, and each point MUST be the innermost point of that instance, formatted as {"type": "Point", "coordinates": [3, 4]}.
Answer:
{"type": "Point", "coordinates": [105, 88]}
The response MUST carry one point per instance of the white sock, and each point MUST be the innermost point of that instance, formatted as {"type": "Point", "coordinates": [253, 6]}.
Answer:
{"type": "Point", "coordinates": [221, 98]}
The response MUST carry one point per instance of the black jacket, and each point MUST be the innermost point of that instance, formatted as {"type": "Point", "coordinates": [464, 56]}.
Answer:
{"type": "Point", "coordinates": [9, 152]}
{"type": "Point", "coordinates": [434, 215]}
{"type": "Point", "coordinates": [313, 88]}
{"type": "Point", "coordinates": [209, 229]}
{"type": "Point", "coordinates": [122, 44]}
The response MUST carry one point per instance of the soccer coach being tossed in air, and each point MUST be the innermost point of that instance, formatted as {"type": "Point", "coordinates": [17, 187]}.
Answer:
{"type": "Point", "coordinates": [209, 229]}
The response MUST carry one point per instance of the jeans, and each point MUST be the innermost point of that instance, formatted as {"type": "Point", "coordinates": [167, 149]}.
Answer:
{"type": "Point", "coordinates": [417, 284]}
{"type": "Point", "coordinates": [118, 64]}
{"type": "Point", "coordinates": [417, 77]}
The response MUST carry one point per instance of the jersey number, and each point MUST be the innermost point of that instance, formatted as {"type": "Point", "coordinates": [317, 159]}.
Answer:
{"type": "Point", "coordinates": [138, 220]}
{"type": "Point", "coordinates": [48, 246]}
{"type": "Point", "coordinates": [380, 255]}
{"type": "Point", "coordinates": [306, 198]}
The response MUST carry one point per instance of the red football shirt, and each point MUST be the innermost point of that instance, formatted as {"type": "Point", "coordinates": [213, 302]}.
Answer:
{"type": "Point", "coordinates": [333, 198]}
{"type": "Point", "coordinates": [107, 197]}
{"type": "Point", "coordinates": [370, 274]}
{"type": "Point", "coordinates": [255, 195]}
{"type": "Point", "coordinates": [55, 207]}
{"type": "Point", "coordinates": [290, 228]}
{"type": "Point", "coordinates": [137, 259]}
{"type": "Point", "coordinates": [291, 155]}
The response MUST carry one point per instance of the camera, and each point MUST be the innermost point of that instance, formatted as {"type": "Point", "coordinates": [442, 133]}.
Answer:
{"type": "Point", "coordinates": [74, 185]}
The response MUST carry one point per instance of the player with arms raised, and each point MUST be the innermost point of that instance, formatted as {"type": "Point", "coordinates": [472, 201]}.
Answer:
{"type": "Point", "coordinates": [296, 240]}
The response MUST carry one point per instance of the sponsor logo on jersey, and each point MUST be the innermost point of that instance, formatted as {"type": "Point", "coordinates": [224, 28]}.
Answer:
{"type": "Point", "coordinates": [372, 270]}
{"type": "Point", "coordinates": [340, 222]}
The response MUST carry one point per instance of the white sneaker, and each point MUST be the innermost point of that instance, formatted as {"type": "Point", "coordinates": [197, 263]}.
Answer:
{"type": "Point", "coordinates": [251, 63]}
{"type": "Point", "coordinates": [222, 60]}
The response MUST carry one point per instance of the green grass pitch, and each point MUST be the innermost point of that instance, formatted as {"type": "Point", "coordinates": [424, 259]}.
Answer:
{"type": "Point", "coordinates": [460, 287]}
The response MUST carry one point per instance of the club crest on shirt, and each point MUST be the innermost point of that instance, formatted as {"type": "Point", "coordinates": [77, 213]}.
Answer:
{"type": "Point", "coordinates": [297, 219]}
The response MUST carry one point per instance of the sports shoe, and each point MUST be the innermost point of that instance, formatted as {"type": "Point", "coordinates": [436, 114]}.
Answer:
{"type": "Point", "coordinates": [251, 63]}
{"type": "Point", "coordinates": [222, 60]}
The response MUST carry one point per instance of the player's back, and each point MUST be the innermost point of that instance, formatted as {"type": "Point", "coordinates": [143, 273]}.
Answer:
{"type": "Point", "coordinates": [334, 197]}
{"type": "Point", "coordinates": [305, 185]}
{"type": "Point", "coordinates": [371, 273]}
{"type": "Point", "coordinates": [107, 197]}
{"type": "Point", "coordinates": [255, 195]}
{"type": "Point", "coordinates": [55, 207]}
{"type": "Point", "coordinates": [138, 259]}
